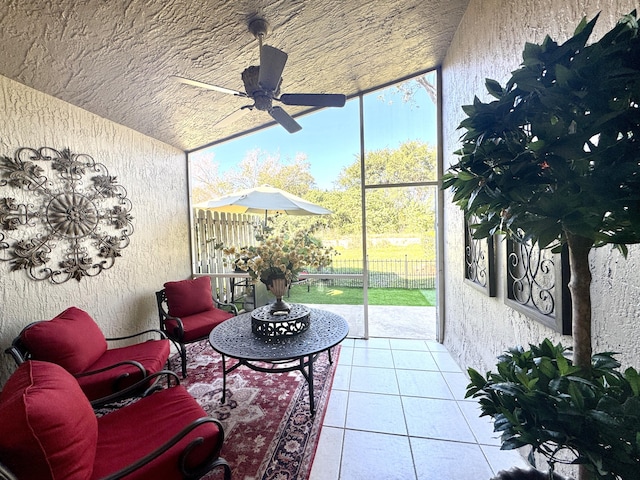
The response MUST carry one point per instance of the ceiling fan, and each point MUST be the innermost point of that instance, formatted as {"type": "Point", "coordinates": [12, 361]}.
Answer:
{"type": "Point", "coordinates": [262, 84]}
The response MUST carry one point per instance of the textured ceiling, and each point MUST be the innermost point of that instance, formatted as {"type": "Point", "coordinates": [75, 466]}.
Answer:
{"type": "Point", "coordinates": [114, 57]}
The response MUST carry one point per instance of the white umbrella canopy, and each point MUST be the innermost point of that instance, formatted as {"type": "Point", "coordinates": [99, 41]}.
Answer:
{"type": "Point", "coordinates": [263, 199]}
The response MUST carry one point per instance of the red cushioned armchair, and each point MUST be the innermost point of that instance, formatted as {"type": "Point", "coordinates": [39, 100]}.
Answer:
{"type": "Point", "coordinates": [188, 312]}
{"type": "Point", "coordinates": [74, 341]}
{"type": "Point", "coordinates": [49, 431]}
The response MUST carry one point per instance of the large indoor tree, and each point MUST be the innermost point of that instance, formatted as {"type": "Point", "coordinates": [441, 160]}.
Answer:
{"type": "Point", "coordinates": [555, 158]}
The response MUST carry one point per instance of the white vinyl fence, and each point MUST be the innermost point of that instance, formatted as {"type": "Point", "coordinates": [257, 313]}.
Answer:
{"type": "Point", "coordinates": [212, 229]}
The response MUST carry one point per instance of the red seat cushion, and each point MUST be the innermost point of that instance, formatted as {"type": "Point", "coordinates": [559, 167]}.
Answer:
{"type": "Point", "coordinates": [72, 340]}
{"type": "Point", "coordinates": [152, 355]}
{"type": "Point", "coordinates": [188, 297]}
{"type": "Point", "coordinates": [48, 429]}
{"type": "Point", "coordinates": [199, 325]}
{"type": "Point", "coordinates": [131, 432]}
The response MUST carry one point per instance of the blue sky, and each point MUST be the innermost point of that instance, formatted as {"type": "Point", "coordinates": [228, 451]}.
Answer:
{"type": "Point", "coordinates": [330, 138]}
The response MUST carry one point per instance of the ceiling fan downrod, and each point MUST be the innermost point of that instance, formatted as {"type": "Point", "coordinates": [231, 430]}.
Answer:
{"type": "Point", "coordinates": [260, 29]}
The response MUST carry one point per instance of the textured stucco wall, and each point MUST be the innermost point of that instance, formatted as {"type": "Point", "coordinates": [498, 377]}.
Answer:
{"type": "Point", "coordinates": [121, 299]}
{"type": "Point", "coordinates": [488, 43]}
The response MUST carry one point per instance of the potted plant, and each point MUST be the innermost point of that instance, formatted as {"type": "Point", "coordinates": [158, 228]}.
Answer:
{"type": "Point", "coordinates": [539, 398]}
{"type": "Point", "coordinates": [555, 160]}
{"type": "Point", "coordinates": [278, 258]}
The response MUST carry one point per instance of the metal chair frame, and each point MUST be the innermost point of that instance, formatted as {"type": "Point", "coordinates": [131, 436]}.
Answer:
{"type": "Point", "coordinates": [178, 337]}
{"type": "Point", "coordinates": [20, 354]}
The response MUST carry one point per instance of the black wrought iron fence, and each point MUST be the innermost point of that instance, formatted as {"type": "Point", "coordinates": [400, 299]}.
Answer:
{"type": "Point", "coordinates": [399, 273]}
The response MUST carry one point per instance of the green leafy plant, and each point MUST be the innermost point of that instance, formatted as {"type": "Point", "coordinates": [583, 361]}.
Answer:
{"type": "Point", "coordinates": [539, 398]}
{"type": "Point", "coordinates": [555, 158]}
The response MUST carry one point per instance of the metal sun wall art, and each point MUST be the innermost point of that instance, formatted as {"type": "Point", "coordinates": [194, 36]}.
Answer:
{"type": "Point", "coordinates": [72, 219]}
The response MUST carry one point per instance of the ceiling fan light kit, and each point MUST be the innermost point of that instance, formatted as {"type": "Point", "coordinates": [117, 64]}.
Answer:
{"type": "Point", "coordinates": [262, 84]}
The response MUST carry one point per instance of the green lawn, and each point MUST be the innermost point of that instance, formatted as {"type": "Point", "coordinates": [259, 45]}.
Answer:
{"type": "Point", "coordinates": [353, 296]}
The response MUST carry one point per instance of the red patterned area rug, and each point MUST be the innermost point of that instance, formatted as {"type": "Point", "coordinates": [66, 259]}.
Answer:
{"type": "Point", "coordinates": [270, 432]}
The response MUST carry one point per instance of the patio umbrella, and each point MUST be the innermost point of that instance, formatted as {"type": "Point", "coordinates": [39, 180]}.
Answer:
{"type": "Point", "coordinates": [263, 199]}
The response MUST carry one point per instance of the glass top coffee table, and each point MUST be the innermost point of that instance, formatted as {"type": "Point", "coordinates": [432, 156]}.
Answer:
{"type": "Point", "coordinates": [234, 338]}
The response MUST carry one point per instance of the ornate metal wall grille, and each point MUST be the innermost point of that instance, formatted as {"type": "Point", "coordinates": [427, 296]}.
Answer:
{"type": "Point", "coordinates": [72, 219]}
{"type": "Point", "coordinates": [537, 284]}
{"type": "Point", "coordinates": [479, 262]}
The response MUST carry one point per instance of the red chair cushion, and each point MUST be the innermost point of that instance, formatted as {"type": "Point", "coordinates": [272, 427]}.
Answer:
{"type": "Point", "coordinates": [188, 297]}
{"type": "Point", "coordinates": [48, 429]}
{"type": "Point", "coordinates": [198, 326]}
{"type": "Point", "coordinates": [133, 431]}
{"type": "Point", "coordinates": [72, 340]}
{"type": "Point", "coordinates": [152, 354]}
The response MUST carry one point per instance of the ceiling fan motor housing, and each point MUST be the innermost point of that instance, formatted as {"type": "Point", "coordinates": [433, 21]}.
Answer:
{"type": "Point", "coordinates": [261, 97]}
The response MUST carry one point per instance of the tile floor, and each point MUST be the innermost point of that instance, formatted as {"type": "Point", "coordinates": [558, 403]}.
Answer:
{"type": "Point", "coordinates": [397, 411]}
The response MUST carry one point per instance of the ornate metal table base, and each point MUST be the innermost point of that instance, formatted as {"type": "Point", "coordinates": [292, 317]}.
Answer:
{"type": "Point", "coordinates": [304, 365]}
{"type": "Point", "coordinates": [234, 338]}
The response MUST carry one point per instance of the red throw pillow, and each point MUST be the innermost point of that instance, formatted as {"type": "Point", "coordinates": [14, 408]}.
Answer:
{"type": "Point", "coordinates": [48, 429]}
{"type": "Point", "coordinates": [72, 340]}
{"type": "Point", "coordinates": [188, 297]}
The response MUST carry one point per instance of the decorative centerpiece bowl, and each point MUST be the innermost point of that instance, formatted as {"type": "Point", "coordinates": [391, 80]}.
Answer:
{"type": "Point", "coordinates": [266, 324]}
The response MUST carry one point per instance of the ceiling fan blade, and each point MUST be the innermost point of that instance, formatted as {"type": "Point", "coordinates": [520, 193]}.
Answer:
{"type": "Point", "coordinates": [314, 99]}
{"type": "Point", "coordinates": [272, 62]}
{"type": "Point", "coordinates": [208, 86]}
{"type": "Point", "coordinates": [284, 119]}
{"type": "Point", "coordinates": [231, 118]}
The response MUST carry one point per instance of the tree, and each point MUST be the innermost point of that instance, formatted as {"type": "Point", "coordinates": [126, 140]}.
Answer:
{"type": "Point", "coordinates": [204, 171]}
{"type": "Point", "coordinates": [408, 88]}
{"type": "Point", "coordinates": [412, 161]}
{"type": "Point", "coordinates": [256, 168]}
{"type": "Point", "coordinates": [345, 205]}
{"type": "Point", "coordinates": [555, 159]}
{"type": "Point", "coordinates": [426, 81]}
{"type": "Point", "coordinates": [405, 209]}
{"type": "Point", "coordinates": [259, 168]}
